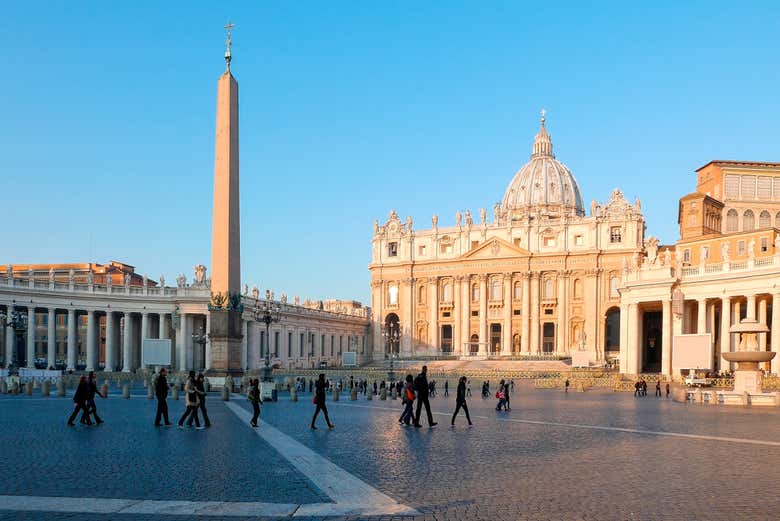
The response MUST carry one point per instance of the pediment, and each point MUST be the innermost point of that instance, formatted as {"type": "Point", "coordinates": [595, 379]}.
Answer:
{"type": "Point", "coordinates": [494, 248]}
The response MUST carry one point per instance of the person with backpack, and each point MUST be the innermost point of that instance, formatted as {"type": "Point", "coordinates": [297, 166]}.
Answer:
{"type": "Point", "coordinates": [253, 395]}
{"type": "Point", "coordinates": [460, 402]}
{"type": "Point", "coordinates": [408, 400]}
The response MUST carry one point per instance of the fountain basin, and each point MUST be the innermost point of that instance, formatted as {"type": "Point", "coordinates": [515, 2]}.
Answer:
{"type": "Point", "coordinates": [748, 360]}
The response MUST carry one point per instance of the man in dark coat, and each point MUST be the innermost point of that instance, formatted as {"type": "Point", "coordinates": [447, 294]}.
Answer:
{"type": "Point", "coordinates": [91, 408]}
{"type": "Point", "coordinates": [80, 401]}
{"type": "Point", "coordinates": [201, 388]}
{"type": "Point", "coordinates": [421, 387]}
{"type": "Point", "coordinates": [161, 392]}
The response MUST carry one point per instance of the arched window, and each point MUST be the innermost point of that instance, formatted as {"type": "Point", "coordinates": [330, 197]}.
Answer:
{"type": "Point", "coordinates": [549, 289]}
{"type": "Point", "coordinates": [446, 292]}
{"type": "Point", "coordinates": [748, 221]}
{"type": "Point", "coordinates": [732, 221]}
{"type": "Point", "coordinates": [421, 295]}
{"type": "Point", "coordinates": [577, 288]}
{"type": "Point", "coordinates": [777, 220]}
{"type": "Point", "coordinates": [614, 282]}
{"type": "Point", "coordinates": [475, 293]}
{"type": "Point", "coordinates": [517, 294]}
{"type": "Point", "coordinates": [392, 294]}
{"type": "Point", "coordinates": [764, 220]}
{"type": "Point", "coordinates": [495, 289]}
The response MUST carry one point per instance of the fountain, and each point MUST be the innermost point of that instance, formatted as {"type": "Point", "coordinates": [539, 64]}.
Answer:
{"type": "Point", "coordinates": [748, 377]}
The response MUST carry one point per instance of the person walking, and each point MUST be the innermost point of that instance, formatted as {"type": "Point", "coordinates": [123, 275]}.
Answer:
{"type": "Point", "coordinates": [91, 408]}
{"type": "Point", "coordinates": [446, 388]}
{"type": "Point", "coordinates": [566, 386]}
{"type": "Point", "coordinates": [253, 395]}
{"type": "Point", "coordinates": [191, 402]}
{"type": "Point", "coordinates": [421, 389]}
{"type": "Point", "coordinates": [80, 401]}
{"type": "Point", "coordinates": [501, 395]}
{"type": "Point", "coordinates": [161, 392]}
{"type": "Point", "coordinates": [507, 387]}
{"type": "Point", "coordinates": [468, 387]}
{"type": "Point", "coordinates": [319, 401]}
{"type": "Point", "coordinates": [200, 387]}
{"type": "Point", "coordinates": [658, 388]}
{"type": "Point", "coordinates": [408, 399]}
{"type": "Point", "coordinates": [460, 401]}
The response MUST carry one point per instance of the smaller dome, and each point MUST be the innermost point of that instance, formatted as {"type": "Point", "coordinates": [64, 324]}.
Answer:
{"type": "Point", "coordinates": [543, 186]}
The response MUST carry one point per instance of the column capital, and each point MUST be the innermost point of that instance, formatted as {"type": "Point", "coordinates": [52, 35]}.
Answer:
{"type": "Point", "coordinates": [508, 275]}
{"type": "Point", "coordinates": [433, 280]}
{"type": "Point", "coordinates": [482, 277]}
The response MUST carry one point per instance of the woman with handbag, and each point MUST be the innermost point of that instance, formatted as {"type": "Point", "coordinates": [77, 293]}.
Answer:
{"type": "Point", "coordinates": [191, 401]}
{"type": "Point", "coordinates": [319, 401]}
{"type": "Point", "coordinates": [408, 399]}
{"type": "Point", "coordinates": [501, 395]}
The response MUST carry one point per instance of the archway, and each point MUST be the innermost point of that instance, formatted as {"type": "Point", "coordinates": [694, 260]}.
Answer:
{"type": "Point", "coordinates": [393, 333]}
{"type": "Point", "coordinates": [495, 339]}
{"type": "Point", "coordinates": [474, 344]}
{"type": "Point", "coordinates": [651, 341]}
{"type": "Point", "coordinates": [446, 338]}
{"type": "Point", "coordinates": [516, 343]}
{"type": "Point", "coordinates": [612, 330]}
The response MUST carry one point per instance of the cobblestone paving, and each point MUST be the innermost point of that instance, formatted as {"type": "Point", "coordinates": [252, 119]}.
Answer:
{"type": "Point", "coordinates": [497, 470]}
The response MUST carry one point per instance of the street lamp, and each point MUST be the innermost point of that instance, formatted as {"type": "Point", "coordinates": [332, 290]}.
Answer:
{"type": "Point", "coordinates": [268, 312]}
{"type": "Point", "coordinates": [392, 336]}
{"type": "Point", "coordinates": [200, 338]}
{"type": "Point", "coordinates": [18, 322]}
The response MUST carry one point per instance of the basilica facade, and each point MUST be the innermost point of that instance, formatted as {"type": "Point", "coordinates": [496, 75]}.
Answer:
{"type": "Point", "coordinates": [541, 278]}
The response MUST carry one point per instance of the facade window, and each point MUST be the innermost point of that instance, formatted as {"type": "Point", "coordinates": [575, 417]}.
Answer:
{"type": "Point", "coordinates": [421, 249]}
{"type": "Point", "coordinates": [686, 256]}
{"type": "Point", "coordinates": [705, 253]}
{"type": "Point", "coordinates": [764, 244]}
{"type": "Point", "coordinates": [446, 292]}
{"type": "Point", "coordinates": [362, 344]}
{"type": "Point", "coordinates": [332, 342]}
{"type": "Point", "coordinates": [748, 221]}
{"type": "Point", "coordinates": [579, 240]}
{"type": "Point", "coordinates": [262, 343]}
{"type": "Point", "coordinates": [474, 244]}
{"type": "Point", "coordinates": [549, 242]}
{"type": "Point", "coordinates": [301, 344]}
{"type": "Point", "coordinates": [445, 248]}
{"type": "Point", "coordinates": [517, 293]}
{"type": "Point", "coordinates": [740, 247]}
{"type": "Point", "coordinates": [276, 344]}
{"type": "Point", "coordinates": [392, 294]}
{"type": "Point", "coordinates": [692, 219]}
{"type": "Point", "coordinates": [421, 296]}
{"type": "Point", "coordinates": [322, 345]}
{"type": "Point", "coordinates": [475, 293]}
{"type": "Point", "coordinates": [614, 283]}
{"type": "Point", "coordinates": [289, 345]}
{"type": "Point", "coordinates": [765, 220]}
{"type": "Point", "coordinates": [615, 234]}
{"type": "Point", "coordinates": [732, 220]}
{"type": "Point", "coordinates": [577, 288]}
{"type": "Point", "coordinates": [495, 290]}
{"type": "Point", "coordinates": [392, 249]}
{"type": "Point", "coordinates": [341, 342]}
{"type": "Point", "coordinates": [549, 289]}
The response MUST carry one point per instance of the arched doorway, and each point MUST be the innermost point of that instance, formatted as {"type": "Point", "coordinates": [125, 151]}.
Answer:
{"type": "Point", "coordinates": [612, 331]}
{"type": "Point", "coordinates": [446, 338]}
{"type": "Point", "coordinates": [392, 334]}
{"type": "Point", "coordinates": [651, 341]}
{"type": "Point", "coordinates": [495, 339]}
{"type": "Point", "coordinates": [474, 344]}
{"type": "Point", "coordinates": [516, 343]}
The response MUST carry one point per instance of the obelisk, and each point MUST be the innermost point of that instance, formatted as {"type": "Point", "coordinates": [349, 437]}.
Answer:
{"type": "Point", "coordinates": [225, 306]}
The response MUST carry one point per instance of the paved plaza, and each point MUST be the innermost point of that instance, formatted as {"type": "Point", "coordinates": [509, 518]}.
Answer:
{"type": "Point", "coordinates": [594, 455]}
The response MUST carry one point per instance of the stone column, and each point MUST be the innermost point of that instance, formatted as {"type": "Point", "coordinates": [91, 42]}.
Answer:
{"type": "Point", "coordinates": [162, 326]}
{"type": "Point", "coordinates": [10, 339]}
{"type": "Point", "coordinates": [666, 337]}
{"type": "Point", "coordinates": [207, 362]}
{"type": "Point", "coordinates": [31, 337]}
{"type": "Point", "coordinates": [244, 343]}
{"type": "Point", "coordinates": [254, 337]}
{"type": "Point", "coordinates": [72, 339]}
{"type": "Point", "coordinates": [751, 308]}
{"type": "Point", "coordinates": [92, 348]}
{"type": "Point", "coordinates": [535, 326]}
{"type": "Point", "coordinates": [144, 326]}
{"type": "Point", "coordinates": [110, 342]}
{"type": "Point", "coordinates": [127, 343]}
{"type": "Point", "coordinates": [51, 339]}
{"type": "Point", "coordinates": [483, 309]}
{"type": "Point", "coordinates": [525, 331]}
{"type": "Point", "coordinates": [407, 320]}
{"type": "Point", "coordinates": [561, 328]}
{"type": "Point", "coordinates": [762, 319]}
{"type": "Point", "coordinates": [775, 332]}
{"type": "Point", "coordinates": [433, 312]}
{"type": "Point", "coordinates": [634, 347]}
{"type": "Point", "coordinates": [457, 346]}
{"type": "Point", "coordinates": [377, 295]}
{"type": "Point", "coordinates": [701, 317]}
{"type": "Point", "coordinates": [737, 313]}
{"type": "Point", "coordinates": [506, 329]}
{"type": "Point", "coordinates": [465, 312]}
{"type": "Point", "coordinates": [624, 309]}
{"type": "Point", "coordinates": [725, 336]}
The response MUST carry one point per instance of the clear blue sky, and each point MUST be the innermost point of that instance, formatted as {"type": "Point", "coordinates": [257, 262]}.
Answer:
{"type": "Point", "coordinates": [349, 109]}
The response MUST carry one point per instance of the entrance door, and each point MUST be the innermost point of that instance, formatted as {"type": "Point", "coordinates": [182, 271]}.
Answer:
{"type": "Point", "coordinates": [651, 341]}
{"type": "Point", "coordinates": [474, 344]}
{"type": "Point", "coordinates": [446, 338]}
{"type": "Point", "coordinates": [495, 339]}
{"type": "Point", "coordinates": [548, 337]}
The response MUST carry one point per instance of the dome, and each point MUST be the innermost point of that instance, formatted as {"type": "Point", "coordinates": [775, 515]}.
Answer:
{"type": "Point", "coordinates": [543, 186]}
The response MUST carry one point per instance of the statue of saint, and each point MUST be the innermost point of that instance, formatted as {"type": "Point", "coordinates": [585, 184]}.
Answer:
{"type": "Point", "coordinates": [751, 249]}
{"type": "Point", "coordinates": [162, 281]}
{"type": "Point", "coordinates": [376, 226]}
{"type": "Point", "coordinates": [482, 216]}
{"type": "Point", "coordinates": [51, 274]}
{"type": "Point", "coordinates": [435, 222]}
{"type": "Point", "coordinates": [469, 222]}
{"type": "Point", "coordinates": [594, 206]}
{"type": "Point", "coordinates": [408, 223]}
{"type": "Point", "coordinates": [496, 214]}
{"type": "Point", "coordinates": [458, 218]}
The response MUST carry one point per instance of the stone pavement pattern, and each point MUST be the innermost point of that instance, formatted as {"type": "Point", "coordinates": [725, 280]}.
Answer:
{"type": "Point", "coordinates": [500, 469]}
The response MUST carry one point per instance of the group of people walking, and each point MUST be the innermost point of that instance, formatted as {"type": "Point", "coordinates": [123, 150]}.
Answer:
{"type": "Point", "coordinates": [84, 401]}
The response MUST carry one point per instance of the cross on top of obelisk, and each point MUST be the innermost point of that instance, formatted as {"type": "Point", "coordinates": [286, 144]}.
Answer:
{"type": "Point", "coordinates": [228, 43]}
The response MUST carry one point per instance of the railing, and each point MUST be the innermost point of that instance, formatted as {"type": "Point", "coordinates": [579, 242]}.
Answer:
{"type": "Point", "coordinates": [764, 261]}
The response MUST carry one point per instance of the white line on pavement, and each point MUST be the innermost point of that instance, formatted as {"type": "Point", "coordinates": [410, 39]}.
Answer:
{"type": "Point", "coordinates": [747, 441]}
{"type": "Point", "coordinates": [352, 496]}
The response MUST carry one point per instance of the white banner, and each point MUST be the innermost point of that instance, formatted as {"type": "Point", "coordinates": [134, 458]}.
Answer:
{"type": "Point", "coordinates": [156, 351]}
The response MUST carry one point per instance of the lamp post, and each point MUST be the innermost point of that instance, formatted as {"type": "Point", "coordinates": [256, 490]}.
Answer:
{"type": "Point", "coordinates": [18, 322]}
{"type": "Point", "coordinates": [200, 338]}
{"type": "Point", "coordinates": [268, 313]}
{"type": "Point", "coordinates": [392, 336]}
